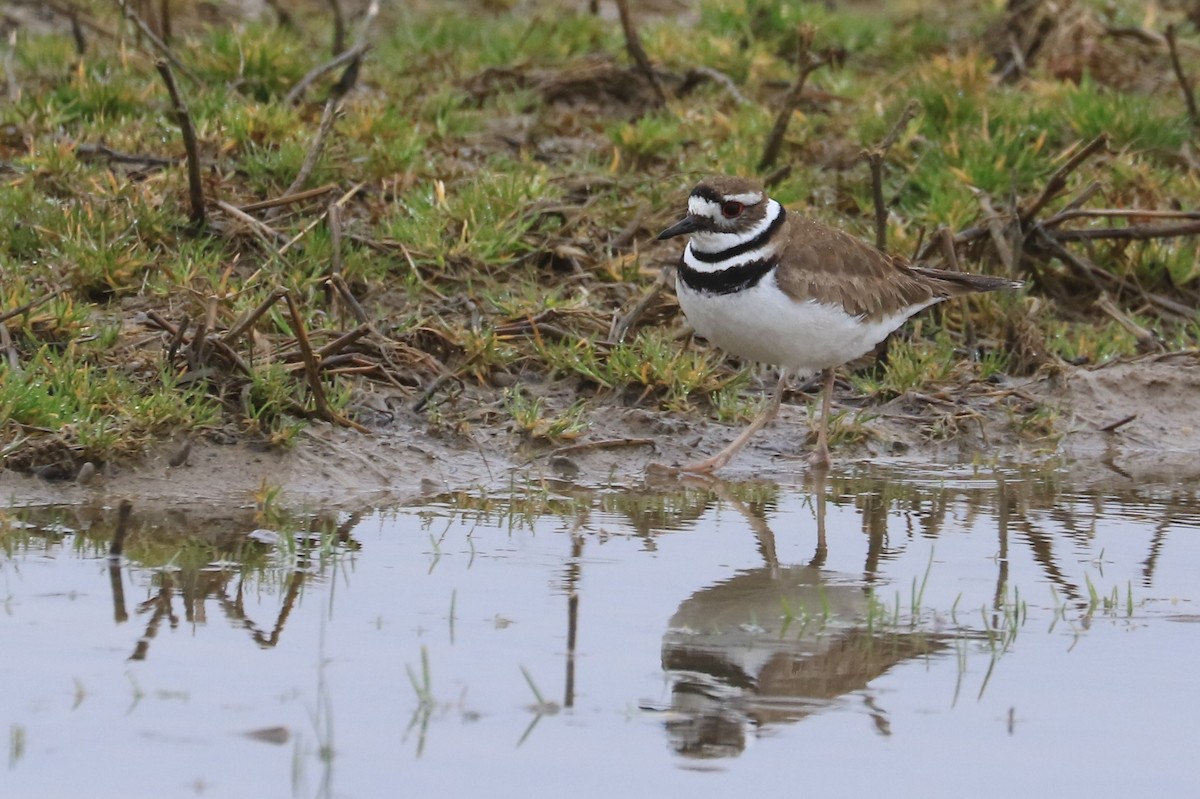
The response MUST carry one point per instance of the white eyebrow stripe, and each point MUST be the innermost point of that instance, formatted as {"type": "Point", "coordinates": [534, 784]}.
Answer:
{"type": "Point", "coordinates": [749, 198]}
{"type": "Point", "coordinates": [698, 206]}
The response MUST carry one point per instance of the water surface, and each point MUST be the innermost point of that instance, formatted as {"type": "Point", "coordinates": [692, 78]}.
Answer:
{"type": "Point", "coordinates": [927, 632]}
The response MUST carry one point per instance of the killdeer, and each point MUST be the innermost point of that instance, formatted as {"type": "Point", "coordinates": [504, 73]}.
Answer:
{"type": "Point", "coordinates": [780, 289]}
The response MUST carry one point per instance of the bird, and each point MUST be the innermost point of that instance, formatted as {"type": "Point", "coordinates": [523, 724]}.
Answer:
{"type": "Point", "coordinates": [781, 289]}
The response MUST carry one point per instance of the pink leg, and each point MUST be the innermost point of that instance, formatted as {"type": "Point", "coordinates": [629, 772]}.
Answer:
{"type": "Point", "coordinates": [819, 459]}
{"type": "Point", "coordinates": [710, 465]}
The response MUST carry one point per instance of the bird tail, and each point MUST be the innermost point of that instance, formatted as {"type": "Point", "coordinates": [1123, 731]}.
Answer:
{"type": "Point", "coordinates": [958, 283]}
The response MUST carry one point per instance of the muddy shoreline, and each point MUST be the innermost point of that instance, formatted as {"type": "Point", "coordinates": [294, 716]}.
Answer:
{"type": "Point", "coordinates": [1135, 420]}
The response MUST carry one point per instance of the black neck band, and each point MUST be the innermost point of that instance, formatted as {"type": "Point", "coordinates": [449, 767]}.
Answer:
{"type": "Point", "coordinates": [726, 281]}
{"type": "Point", "coordinates": [745, 246]}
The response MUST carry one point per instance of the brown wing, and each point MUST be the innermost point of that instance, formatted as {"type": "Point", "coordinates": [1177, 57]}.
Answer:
{"type": "Point", "coordinates": [825, 264]}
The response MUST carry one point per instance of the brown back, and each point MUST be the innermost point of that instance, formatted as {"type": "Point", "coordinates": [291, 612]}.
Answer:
{"type": "Point", "coordinates": [822, 263]}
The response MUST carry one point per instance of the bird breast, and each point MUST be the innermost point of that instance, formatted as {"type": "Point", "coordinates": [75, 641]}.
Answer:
{"type": "Point", "coordinates": [763, 324]}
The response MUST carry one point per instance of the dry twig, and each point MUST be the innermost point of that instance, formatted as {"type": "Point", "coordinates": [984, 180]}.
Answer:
{"type": "Point", "coordinates": [195, 187]}
{"type": "Point", "coordinates": [328, 117]}
{"type": "Point", "coordinates": [697, 75]}
{"type": "Point", "coordinates": [349, 298]}
{"type": "Point", "coordinates": [260, 229]}
{"type": "Point", "coordinates": [312, 370]}
{"type": "Point", "coordinates": [807, 64]}
{"type": "Point", "coordinates": [621, 325]}
{"type": "Point", "coordinates": [875, 156]}
{"type": "Point", "coordinates": [177, 337]}
{"type": "Point", "coordinates": [6, 342]}
{"type": "Point", "coordinates": [1146, 340]}
{"type": "Point", "coordinates": [248, 321]}
{"type": "Point", "coordinates": [289, 199]}
{"type": "Point", "coordinates": [357, 51]}
{"type": "Point", "coordinates": [339, 27]}
{"type": "Point", "coordinates": [91, 152]}
{"type": "Point", "coordinates": [29, 306]}
{"type": "Point", "coordinates": [162, 47]}
{"type": "Point", "coordinates": [1185, 85]}
{"type": "Point", "coordinates": [1058, 181]}
{"type": "Point", "coordinates": [634, 46]}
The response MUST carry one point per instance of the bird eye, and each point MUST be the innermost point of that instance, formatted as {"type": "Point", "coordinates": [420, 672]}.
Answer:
{"type": "Point", "coordinates": [731, 210]}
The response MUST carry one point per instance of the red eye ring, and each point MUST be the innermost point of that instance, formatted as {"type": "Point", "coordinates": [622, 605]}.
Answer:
{"type": "Point", "coordinates": [732, 210]}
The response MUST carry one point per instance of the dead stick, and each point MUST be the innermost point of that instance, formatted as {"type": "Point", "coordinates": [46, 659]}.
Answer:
{"type": "Point", "coordinates": [1185, 85]}
{"type": "Point", "coordinates": [312, 370]}
{"type": "Point", "coordinates": [345, 58]}
{"type": "Point", "coordinates": [225, 349]}
{"type": "Point", "coordinates": [195, 187]}
{"type": "Point", "coordinates": [791, 102]}
{"type": "Point", "coordinates": [343, 341]}
{"type": "Point", "coordinates": [1132, 233]}
{"type": "Point", "coordinates": [1112, 427]}
{"type": "Point", "coordinates": [621, 325]}
{"type": "Point", "coordinates": [289, 199]}
{"type": "Point", "coordinates": [165, 18]}
{"type": "Point", "coordinates": [307, 228]}
{"type": "Point", "coordinates": [177, 340]}
{"type": "Point", "coordinates": [29, 306]}
{"type": "Point", "coordinates": [875, 156]}
{"type": "Point", "coordinates": [351, 300]}
{"type": "Point", "coordinates": [332, 349]}
{"type": "Point", "coordinates": [431, 389]}
{"type": "Point", "coordinates": [950, 254]}
{"type": "Point", "coordinates": [348, 79]}
{"type": "Point", "coordinates": [339, 27]}
{"type": "Point", "coordinates": [196, 351]}
{"type": "Point", "coordinates": [328, 117]}
{"type": "Point", "coordinates": [88, 152]}
{"type": "Point", "coordinates": [1118, 213]}
{"type": "Point", "coordinates": [334, 217]}
{"type": "Point", "coordinates": [311, 366]}
{"type": "Point", "coordinates": [260, 229]}
{"type": "Point", "coordinates": [77, 34]}
{"type": "Point", "coordinates": [992, 222]}
{"type": "Point", "coordinates": [721, 79]}
{"type": "Point", "coordinates": [160, 45]}
{"type": "Point", "coordinates": [634, 47]}
{"type": "Point", "coordinates": [1088, 192]}
{"type": "Point", "coordinates": [368, 18]}
{"type": "Point", "coordinates": [69, 10]}
{"type": "Point", "coordinates": [1058, 181]}
{"type": "Point", "coordinates": [248, 321]}
{"type": "Point", "coordinates": [14, 361]}
{"type": "Point", "coordinates": [1146, 340]}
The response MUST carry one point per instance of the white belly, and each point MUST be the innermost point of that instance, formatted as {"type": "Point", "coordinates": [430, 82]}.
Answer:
{"type": "Point", "coordinates": [763, 324]}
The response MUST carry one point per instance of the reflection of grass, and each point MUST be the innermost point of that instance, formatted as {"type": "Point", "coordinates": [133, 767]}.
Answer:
{"type": "Point", "coordinates": [190, 549]}
{"type": "Point", "coordinates": [16, 744]}
{"type": "Point", "coordinates": [426, 704]}
{"type": "Point", "coordinates": [542, 707]}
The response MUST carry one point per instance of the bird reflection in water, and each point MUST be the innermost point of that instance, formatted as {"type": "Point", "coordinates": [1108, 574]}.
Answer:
{"type": "Point", "coordinates": [774, 644]}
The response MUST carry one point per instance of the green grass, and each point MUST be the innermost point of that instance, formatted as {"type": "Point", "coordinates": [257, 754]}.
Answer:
{"type": "Point", "coordinates": [477, 203]}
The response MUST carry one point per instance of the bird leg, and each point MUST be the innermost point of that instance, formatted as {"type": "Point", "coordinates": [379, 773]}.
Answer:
{"type": "Point", "coordinates": [710, 465]}
{"type": "Point", "coordinates": [819, 459]}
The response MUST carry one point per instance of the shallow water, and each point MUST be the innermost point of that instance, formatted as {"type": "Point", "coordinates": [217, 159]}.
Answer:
{"type": "Point", "coordinates": [915, 632]}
